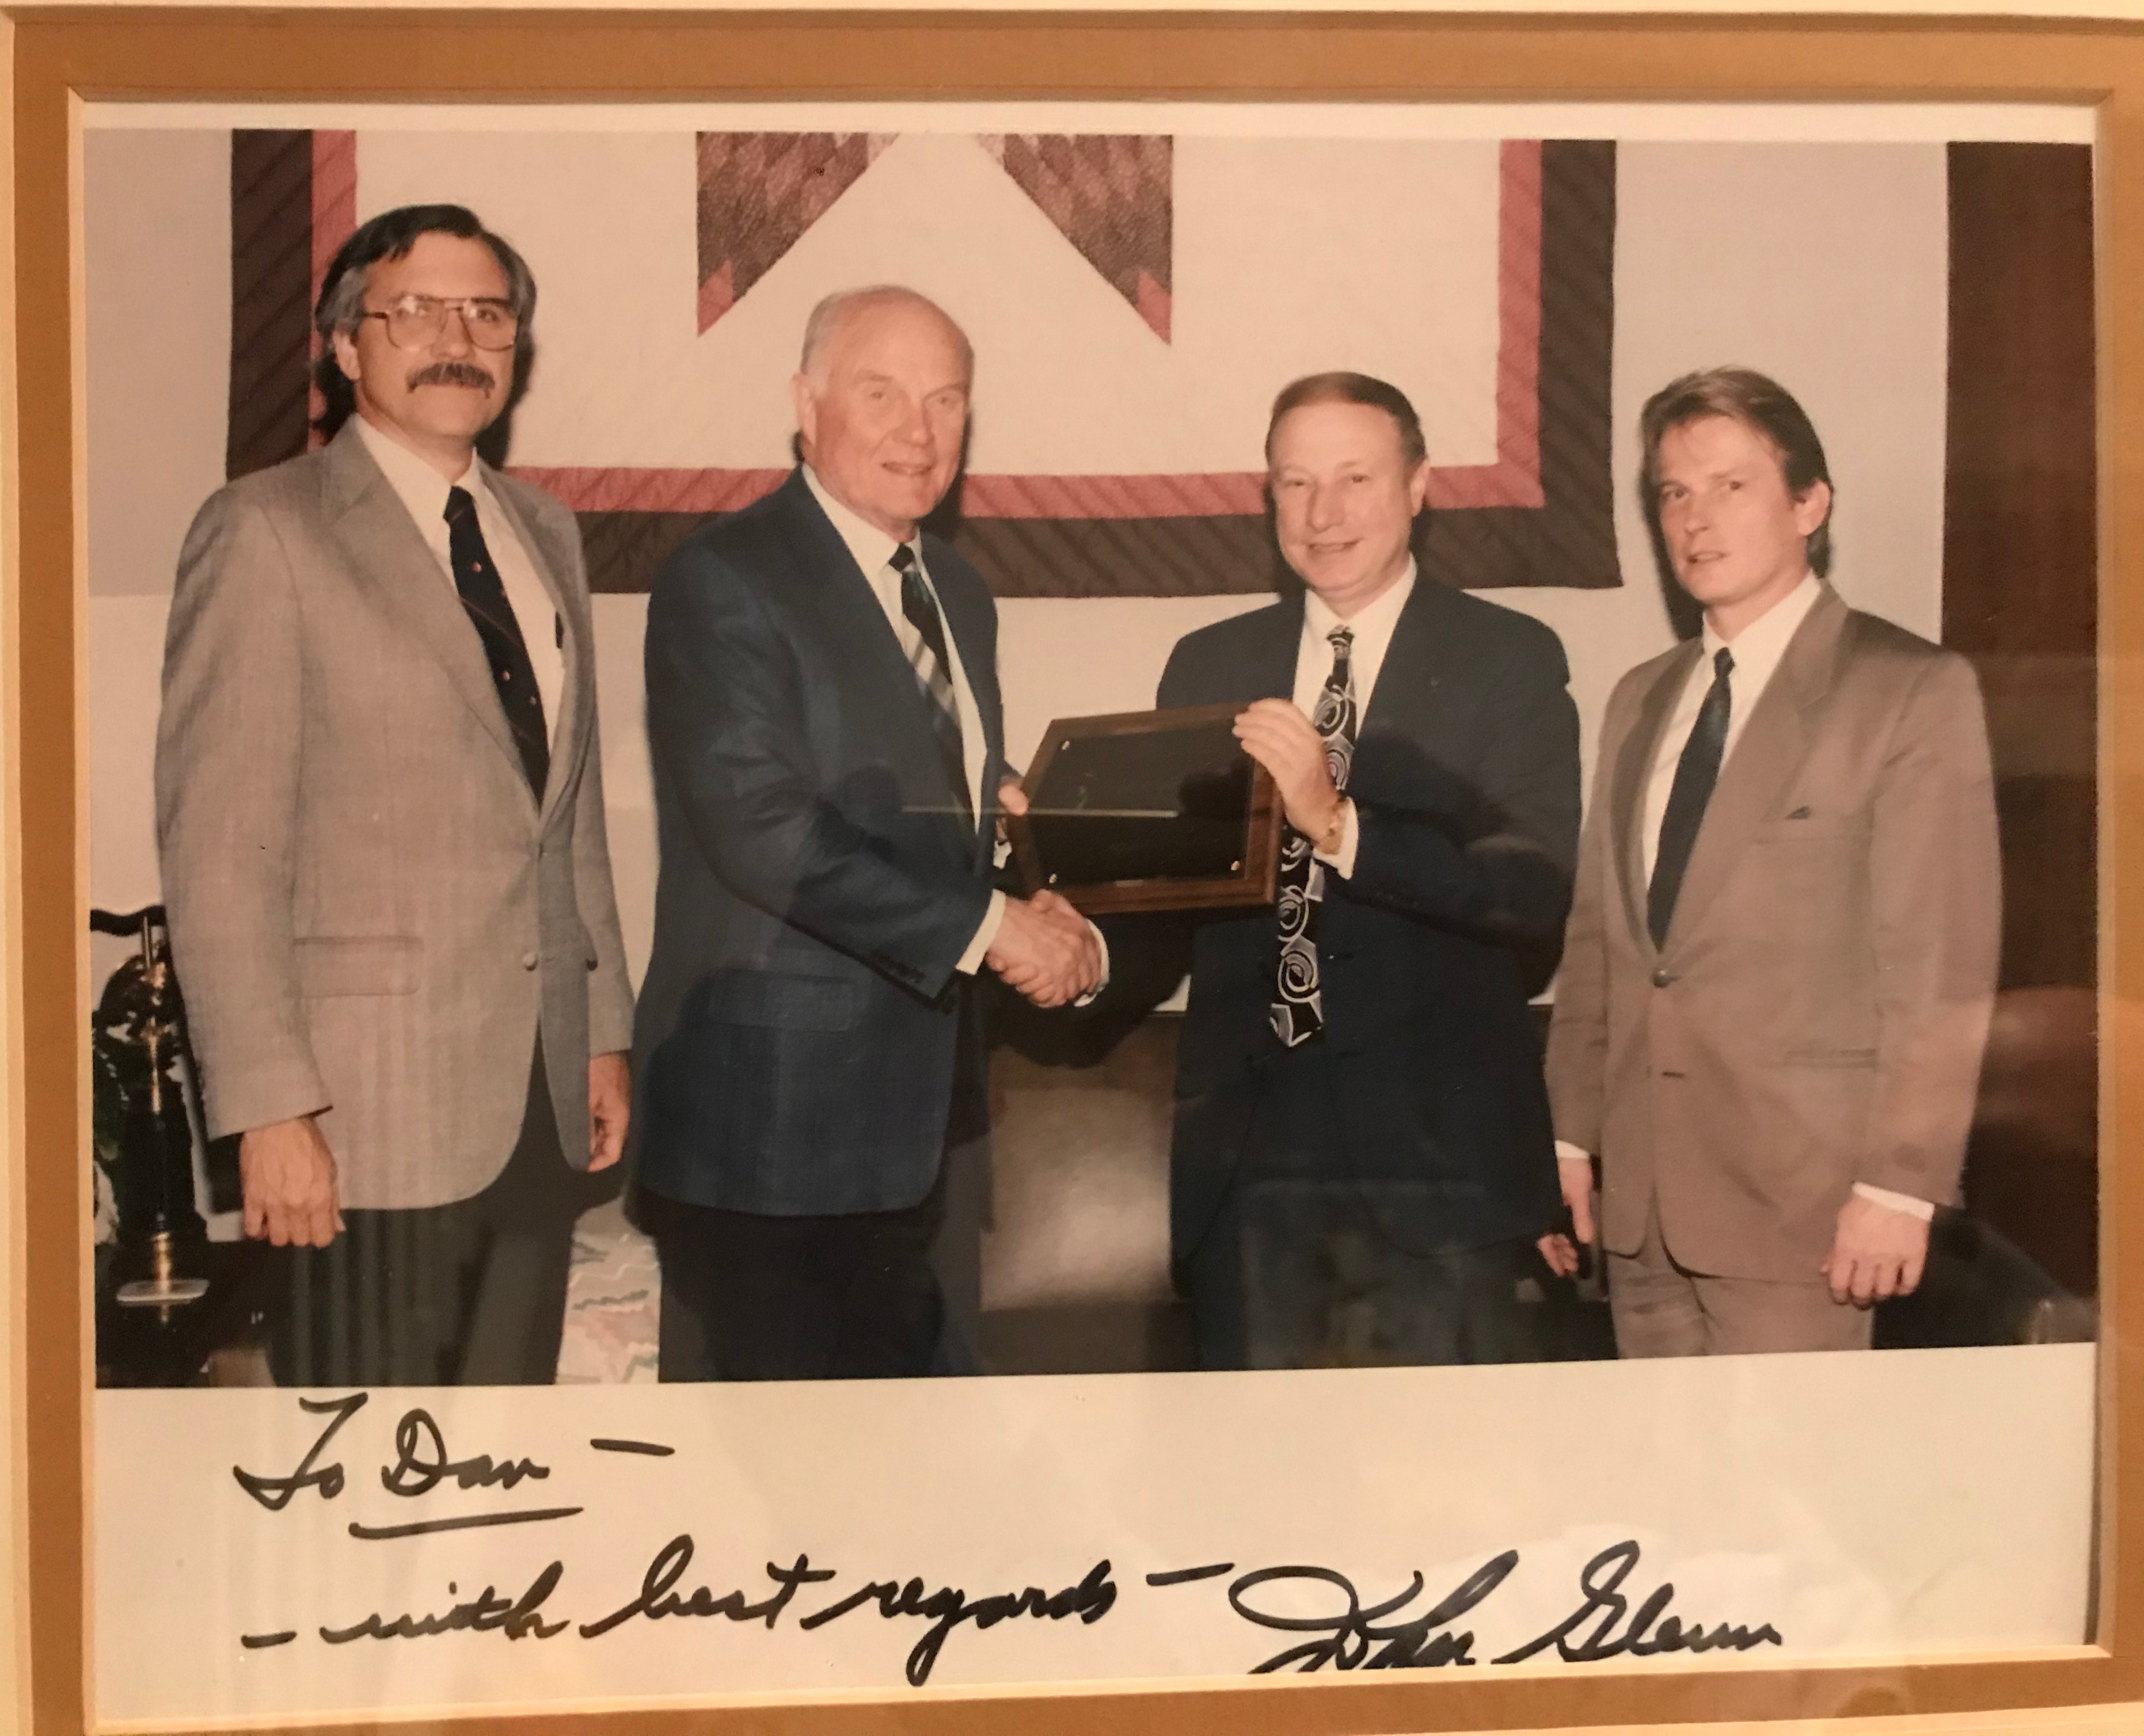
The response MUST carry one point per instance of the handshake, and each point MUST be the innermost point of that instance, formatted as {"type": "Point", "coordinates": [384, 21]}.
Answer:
{"type": "Point", "coordinates": [1045, 948]}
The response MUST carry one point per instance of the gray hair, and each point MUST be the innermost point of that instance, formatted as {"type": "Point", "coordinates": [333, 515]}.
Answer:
{"type": "Point", "coordinates": [833, 311]}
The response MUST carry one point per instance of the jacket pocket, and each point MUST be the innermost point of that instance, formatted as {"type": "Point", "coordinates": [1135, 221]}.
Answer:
{"type": "Point", "coordinates": [1812, 829]}
{"type": "Point", "coordinates": [359, 965]}
{"type": "Point", "coordinates": [1817, 1055]}
{"type": "Point", "coordinates": [784, 1002]}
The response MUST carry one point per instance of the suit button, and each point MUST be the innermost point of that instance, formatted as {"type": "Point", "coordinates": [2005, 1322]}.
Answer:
{"type": "Point", "coordinates": [1661, 979]}
{"type": "Point", "coordinates": [529, 961]}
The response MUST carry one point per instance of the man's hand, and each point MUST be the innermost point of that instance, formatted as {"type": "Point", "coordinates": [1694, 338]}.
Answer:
{"type": "Point", "coordinates": [1877, 1252]}
{"type": "Point", "coordinates": [610, 1104]}
{"type": "Point", "coordinates": [1281, 739]}
{"type": "Point", "coordinates": [288, 1177]}
{"type": "Point", "coordinates": [1012, 799]}
{"type": "Point", "coordinates": [1045, 950]}
{"type": "Point", "coordinates": [1574, 1177]}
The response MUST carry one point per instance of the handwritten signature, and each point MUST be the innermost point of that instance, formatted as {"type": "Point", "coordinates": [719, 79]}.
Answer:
{"type": "Point", "coordinates": [1399, 1631]}
{"type": "Point", "coordinates": [1358, 1637]}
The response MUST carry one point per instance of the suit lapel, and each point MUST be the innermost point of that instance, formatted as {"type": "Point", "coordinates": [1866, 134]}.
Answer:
{"type": "Point", "coordinates": [884, 696]}
{"type": "Point", "coordinates": [1766, 756]}
{"type": "Point", "coordinates": [972, 642]}
{"type": "Point", "coordinates": [389, 558]}
{"type": "Point", "coordinates": [1269, 671]}
{"type": "Point", "coordinates": [1409, 681]}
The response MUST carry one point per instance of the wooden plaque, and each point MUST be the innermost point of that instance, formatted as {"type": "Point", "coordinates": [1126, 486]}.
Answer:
{"type": "Point", "coordinates": [1148, 811]}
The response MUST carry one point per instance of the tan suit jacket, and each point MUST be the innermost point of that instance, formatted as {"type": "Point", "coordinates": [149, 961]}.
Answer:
{"type": "Point", "coordinates": [371, 916]}
{"type": "Point", "coordinates": [1817, 1015]}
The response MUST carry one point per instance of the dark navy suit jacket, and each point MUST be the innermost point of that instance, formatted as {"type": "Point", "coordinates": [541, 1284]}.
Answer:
{"type": "Point", "coordinates": [798, 1043]}
{"type": "Point", "coordinates": [1466, 783]}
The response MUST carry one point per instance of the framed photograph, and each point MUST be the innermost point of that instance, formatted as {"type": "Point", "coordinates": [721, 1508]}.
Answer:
{"type": "Point", "coordinates": [1159, 250]}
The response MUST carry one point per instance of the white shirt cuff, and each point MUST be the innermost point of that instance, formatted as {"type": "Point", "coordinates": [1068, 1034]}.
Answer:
{"type": "Point", "coordinates": [1342, 861]}
{"type": "Point", "coordinates": [1102, 981]}
{"type": "Point", "coordinates": [1566, 1152]}
{"type": "Point", "coordinates": [1905, 1203]}
{"type": "Point", "coordinates": [986, 935]}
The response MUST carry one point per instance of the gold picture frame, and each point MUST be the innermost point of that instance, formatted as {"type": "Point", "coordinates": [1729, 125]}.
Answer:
{"type": "Point", "coordinates": [62, 58]}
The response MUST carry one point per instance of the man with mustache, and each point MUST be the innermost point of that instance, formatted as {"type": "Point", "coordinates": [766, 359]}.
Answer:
{"type": "Point", "coordinates": [379, 807]}
{"type": "Point", "coordinates": [1782, 950]}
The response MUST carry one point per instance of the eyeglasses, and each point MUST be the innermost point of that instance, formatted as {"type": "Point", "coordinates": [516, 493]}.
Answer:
{"type": "Point", "coordinates": [414, 321]}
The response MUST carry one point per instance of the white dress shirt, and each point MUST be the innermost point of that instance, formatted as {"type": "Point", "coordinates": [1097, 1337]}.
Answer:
{"type": "Point", "coordinates": [1372, 626]}
{"type": "Point", "coordinates": [872, 549]}
{"type": "Point", "coordinates": [423, 491]}
{"type": "Point", "coordinates": [1758, 650]}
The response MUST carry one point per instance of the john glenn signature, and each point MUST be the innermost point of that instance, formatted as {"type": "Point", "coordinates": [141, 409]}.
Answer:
{"type": "Point", "coordinates": [1327, 1621]}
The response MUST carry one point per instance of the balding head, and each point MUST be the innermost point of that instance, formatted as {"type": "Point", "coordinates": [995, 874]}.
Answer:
{"type": "Point", "coordinates": [881, 397]}
{"type": "Point", "coordinates": [841, 311]}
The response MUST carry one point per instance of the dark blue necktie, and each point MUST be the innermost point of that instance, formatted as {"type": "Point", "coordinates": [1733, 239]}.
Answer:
{"type": "Point", "coordinates": [484, 596]}
{"type": "Point", "coordinates": [1696, 773]}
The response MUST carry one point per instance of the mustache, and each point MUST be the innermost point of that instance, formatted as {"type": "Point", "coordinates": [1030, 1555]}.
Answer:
{"type": "Point", "coordinates": [451, 373]}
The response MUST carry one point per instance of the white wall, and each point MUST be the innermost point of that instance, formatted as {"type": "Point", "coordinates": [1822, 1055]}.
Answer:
{"type": "Point", "coordinates": [157, 248]}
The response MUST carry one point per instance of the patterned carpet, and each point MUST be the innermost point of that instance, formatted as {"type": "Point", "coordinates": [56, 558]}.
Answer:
{"type": "Point", "coordinates": [611, 1297]}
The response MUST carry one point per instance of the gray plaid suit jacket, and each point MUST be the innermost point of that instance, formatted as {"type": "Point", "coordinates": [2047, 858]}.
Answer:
{"type": "Point", "coordinates": [372, 917]}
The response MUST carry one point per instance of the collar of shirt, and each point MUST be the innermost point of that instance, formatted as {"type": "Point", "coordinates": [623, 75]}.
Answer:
{"type": "Point", "coordinates": [1372, 627]}
{"type": "Point", "coordinates": [1760, 645]}
{"type": "Point", "coordinates": [420, 488]}
{"type": "Point", "coordinates": [870, 547]}
{"type": "Point", "coordinates": [422, 493]}
{"type": "Point", "coordinates": [1758, 649]}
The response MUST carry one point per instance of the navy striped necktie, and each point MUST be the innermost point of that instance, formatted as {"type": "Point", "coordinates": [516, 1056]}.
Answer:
{"type": "Point", "coordinates": [484, 597]}
{"type": "Point", "coordinates": [934, 671]}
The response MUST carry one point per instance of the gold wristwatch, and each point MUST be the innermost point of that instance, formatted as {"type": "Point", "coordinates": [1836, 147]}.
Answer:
{"type": "Point", "coordinates": [1328, 842]}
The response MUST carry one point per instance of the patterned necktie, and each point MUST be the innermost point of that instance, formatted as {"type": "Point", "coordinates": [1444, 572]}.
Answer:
{"type": "Point", "coordinates": [484, 596]}
{"type": "Point", "coordinates": [1298, 1014]}
{"type": "Point", "coordinates": [933, 670]}
{"type": "Point", "coordinates": [1696, 773]}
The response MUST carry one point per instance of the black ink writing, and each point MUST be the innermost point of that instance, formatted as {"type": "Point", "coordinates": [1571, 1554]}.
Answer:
{"type": "Point", "coordinates": [464, 1522]}
{"type": "Point", "coordinates": [1354, 1638]}
{"type": "Point", "coordinates": [1602, 1581]}
{"type": "Point", "coordinates": [1187, 1576]}
{"type": "Point", "coordinates": [657, 1599]}
{"type": "Point", "coordinates": [274, 1493]}
{"type": "Point", "coordinates": [421, 1464]}
{"type": "Point", "coordinates": [946, 1609]}
{"type": "Point", "coordinates": [486, 1612]}
{"type": "Point", "coordinates": [653, 1449]}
